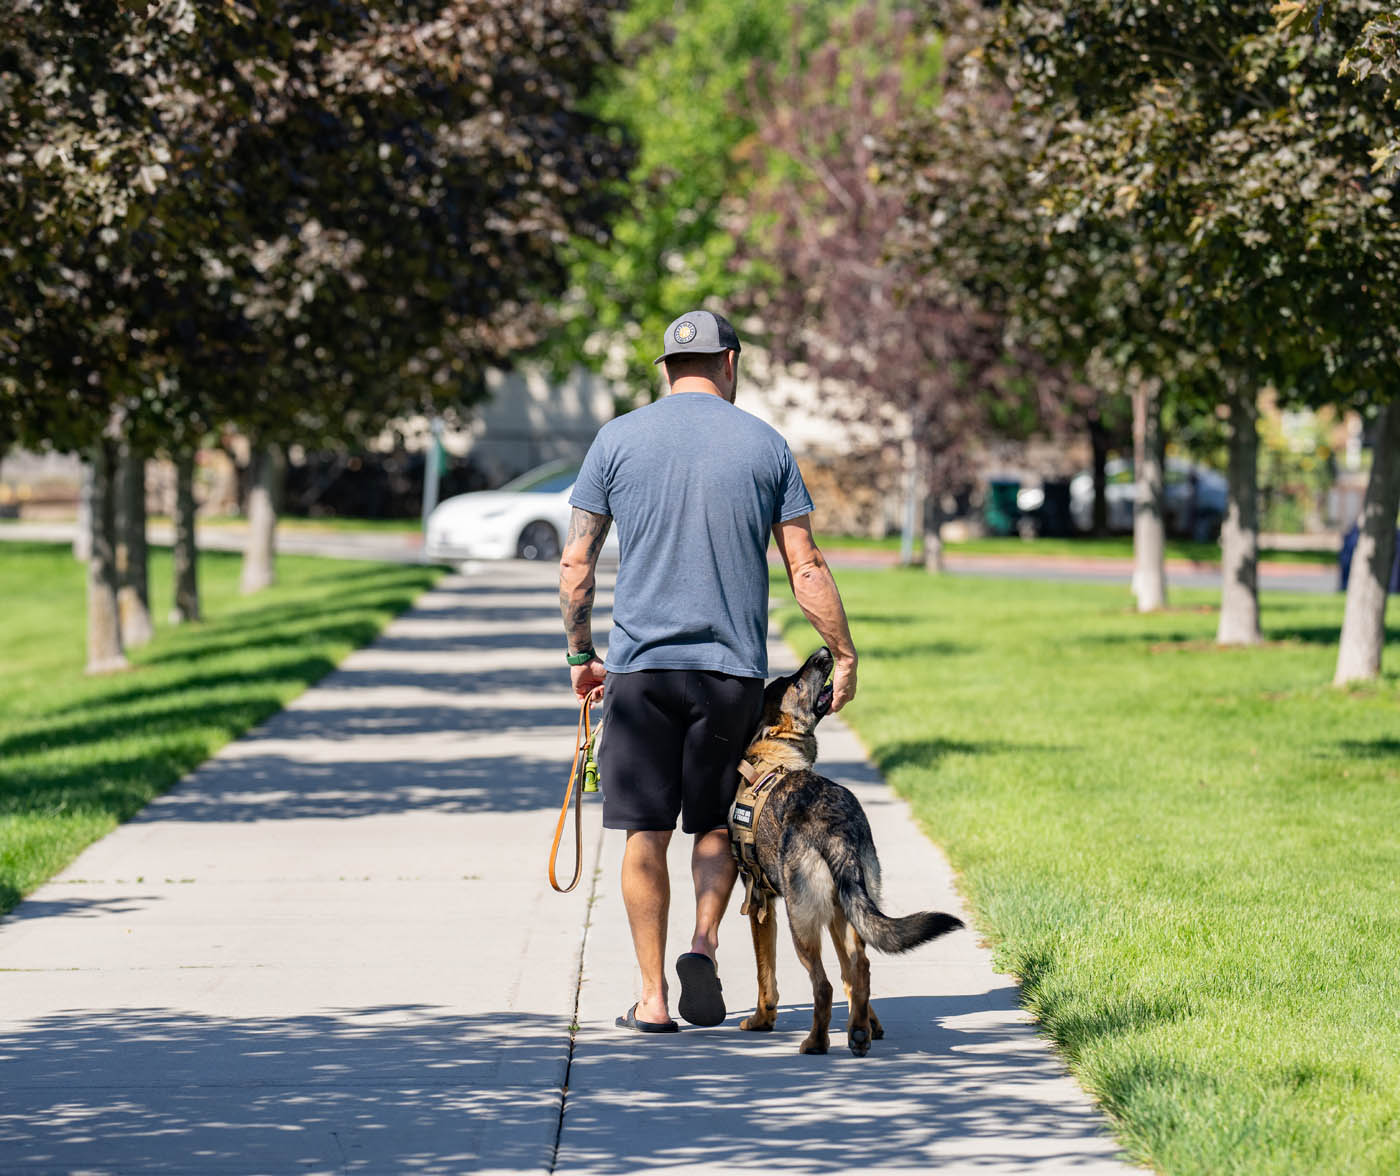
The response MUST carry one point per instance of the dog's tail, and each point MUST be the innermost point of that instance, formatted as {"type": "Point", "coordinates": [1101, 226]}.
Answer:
{"type": "Point", "coordinates": [879, 930]}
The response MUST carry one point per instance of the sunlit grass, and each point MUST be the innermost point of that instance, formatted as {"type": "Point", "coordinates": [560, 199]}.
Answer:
{"type": "Point", "coordinates": [1190, 856]}
{"type": "Point", "coordinates": [78, 755]}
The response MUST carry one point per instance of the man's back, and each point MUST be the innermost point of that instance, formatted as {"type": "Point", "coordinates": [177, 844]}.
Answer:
{"type": "Point", "coordinates": [694, 486]}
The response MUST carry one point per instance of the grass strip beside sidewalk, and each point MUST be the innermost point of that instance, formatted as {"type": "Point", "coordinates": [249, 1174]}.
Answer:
{"type": "Point", "coordinates": [1115, 547]}
{"type": "Point", "coordinates": [79, 755]}
{"type": "Point", "coordinates": [1190, 856]}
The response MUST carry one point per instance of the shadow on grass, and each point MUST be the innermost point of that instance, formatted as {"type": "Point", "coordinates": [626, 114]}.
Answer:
{"type": "Point", "coordinates": [886, 618]}
{"type": "Point", "coordinates": [1274, 635]}
{"type": "Point", "coordinates": [1385, 748]}
{"type": "Point", "coordinates": [1144, 638]}
{"type": "Point", "coordinates": [906, 651]}
{"type": "Point", "coordinates": [926, 753]}
{"type": "Point", "coordinates": [128, 738]}
{"type": "Point", "coordinates": [189, 708]}
{"type": "Point", "coordinates": [331, 620]}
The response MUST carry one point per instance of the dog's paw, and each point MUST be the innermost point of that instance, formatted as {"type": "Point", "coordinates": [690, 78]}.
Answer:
{"type": "Point", "coordinates": [756, 1024]}
{"type": "Point", "coordinates": [877, 1031]}
{"type": "Point", "coordinates": [817, 1046]}
{"type": "Point", "coordinates": [859, 1041]}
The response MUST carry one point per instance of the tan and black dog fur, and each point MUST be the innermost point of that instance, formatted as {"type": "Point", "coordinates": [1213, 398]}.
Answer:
{"type": "Point", "coordinates": [814, 847]}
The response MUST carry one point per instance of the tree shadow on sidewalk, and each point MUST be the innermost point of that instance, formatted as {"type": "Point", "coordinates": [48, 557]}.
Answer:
{"type": "Point", "coordinates": [383, 1089]}
{"type": "Point", "coordinates": [959, 1078]}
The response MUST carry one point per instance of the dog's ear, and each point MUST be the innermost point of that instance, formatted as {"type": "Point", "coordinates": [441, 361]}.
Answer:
{"type": "Point", "coordinates": [773, 695]}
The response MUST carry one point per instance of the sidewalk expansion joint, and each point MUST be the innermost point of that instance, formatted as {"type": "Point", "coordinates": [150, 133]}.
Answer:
{"type": "Point", "coordinates": [578, 988]}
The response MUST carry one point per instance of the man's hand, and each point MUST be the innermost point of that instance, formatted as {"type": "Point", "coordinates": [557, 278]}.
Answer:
{"type": "Point", "coordinates": [843, 682]}
{"type": "Point", "coordinates": [587, 677]}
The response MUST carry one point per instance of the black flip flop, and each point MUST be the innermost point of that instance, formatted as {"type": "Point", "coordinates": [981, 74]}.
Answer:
{"type": "Point", "coordinates": [630, 1022]}
{"type": "Point", "coordinates": [702, 999]}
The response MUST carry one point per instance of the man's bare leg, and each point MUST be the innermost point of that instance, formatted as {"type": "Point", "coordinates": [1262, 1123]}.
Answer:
{"type": "Point", "coordinates": [646, 893]}
{"type": "Point", "coordinates": [714, 870]}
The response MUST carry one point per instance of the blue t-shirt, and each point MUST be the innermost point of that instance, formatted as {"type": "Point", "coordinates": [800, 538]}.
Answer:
{"type": "Point", "coordinates": [694, 486]}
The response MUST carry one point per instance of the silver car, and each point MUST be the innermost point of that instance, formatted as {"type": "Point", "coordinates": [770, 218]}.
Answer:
{"type": "Point", "coordinates": [1211, 493]}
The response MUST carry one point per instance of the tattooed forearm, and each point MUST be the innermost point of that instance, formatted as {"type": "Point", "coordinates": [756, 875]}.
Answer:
{"type": "Point", "coordinates": [578, 619]}
{"type": "Point", "coordinates": [587, 532]}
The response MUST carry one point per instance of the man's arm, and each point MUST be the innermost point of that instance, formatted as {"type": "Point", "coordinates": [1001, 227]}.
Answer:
{"type": "Point", "coordinates": [577, 584]}
{"type": "Point", "coordinates": [814, 587]}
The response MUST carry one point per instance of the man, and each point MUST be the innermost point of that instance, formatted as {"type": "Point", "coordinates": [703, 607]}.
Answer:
{"type": "Point", "coordinates": [695, 486]}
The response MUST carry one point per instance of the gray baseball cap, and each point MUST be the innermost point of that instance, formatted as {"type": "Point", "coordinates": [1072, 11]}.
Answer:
{"type": "Point", "coordinates": [698, 332]}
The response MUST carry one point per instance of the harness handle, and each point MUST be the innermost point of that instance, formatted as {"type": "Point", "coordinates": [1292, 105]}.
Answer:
{"type": "Point", "coordinates": [582, 740]}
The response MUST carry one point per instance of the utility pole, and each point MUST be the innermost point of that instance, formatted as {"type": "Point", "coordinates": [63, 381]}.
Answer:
{"type": "Point", "coordinates": [432, 473]}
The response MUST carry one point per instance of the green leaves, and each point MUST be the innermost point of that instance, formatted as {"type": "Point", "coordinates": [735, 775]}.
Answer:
{"type": "Point", "coordinates": [686, 96]}
{"type": "Point", "coordinates": [1177, 186]}
{"type": "Point", "coordinates": [299, 217]}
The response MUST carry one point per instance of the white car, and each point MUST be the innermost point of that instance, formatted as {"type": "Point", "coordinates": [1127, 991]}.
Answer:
{"type": "Point", "coordinates": [527, 518]}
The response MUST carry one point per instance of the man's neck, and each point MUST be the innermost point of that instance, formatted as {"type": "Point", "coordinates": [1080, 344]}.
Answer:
{"type": "Point", "coordinates": [698, 384]}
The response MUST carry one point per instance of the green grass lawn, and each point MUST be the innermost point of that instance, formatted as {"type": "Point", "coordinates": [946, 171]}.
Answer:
{"type": "Point", "coordinates": [290, 522]}
{"type": "Point", "coordinates": [1115, 547]}
{"type": "Point", "coordinates": [79, 755]}
{"type": "Point", "coordinates": [1190, 856]}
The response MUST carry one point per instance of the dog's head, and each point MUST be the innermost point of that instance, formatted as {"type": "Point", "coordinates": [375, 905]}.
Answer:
{"type": "Point", "coordinates": [795, 704]}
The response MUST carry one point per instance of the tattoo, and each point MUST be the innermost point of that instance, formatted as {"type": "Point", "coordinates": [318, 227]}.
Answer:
{"type": "Point", "coordinates": [578, 620]}
{"type": "Point", "coordinates": [585, 524]}
{"type": "Point", "coordinates": [576, 601]}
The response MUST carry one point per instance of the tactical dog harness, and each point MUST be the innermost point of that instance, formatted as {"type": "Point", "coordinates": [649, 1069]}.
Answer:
{"type": "Point", "coordinates": [743, 820]}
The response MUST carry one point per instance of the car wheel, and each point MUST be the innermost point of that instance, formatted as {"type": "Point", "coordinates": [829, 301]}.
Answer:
{"type": "Point", "coordinates": [538, 541]}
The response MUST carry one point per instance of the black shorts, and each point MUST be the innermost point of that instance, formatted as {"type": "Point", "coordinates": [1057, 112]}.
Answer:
{"type": "Point", "coordinates": [672, 741]}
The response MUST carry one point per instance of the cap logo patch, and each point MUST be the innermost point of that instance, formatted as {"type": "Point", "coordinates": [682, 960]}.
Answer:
{"type": "Point", "coordinates": [684, 332]}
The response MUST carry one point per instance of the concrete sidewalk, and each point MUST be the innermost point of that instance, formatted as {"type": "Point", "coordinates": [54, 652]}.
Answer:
{"type": "Point", "coordinates": [333, 949]}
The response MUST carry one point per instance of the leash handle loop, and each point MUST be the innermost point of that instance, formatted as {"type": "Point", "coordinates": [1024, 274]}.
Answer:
{"type": "Point", "coordinates": [583, 739]}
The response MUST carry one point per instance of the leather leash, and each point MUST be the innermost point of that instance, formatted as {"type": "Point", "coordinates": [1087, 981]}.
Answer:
{"type": "Point", "coordinates": [573, 789]}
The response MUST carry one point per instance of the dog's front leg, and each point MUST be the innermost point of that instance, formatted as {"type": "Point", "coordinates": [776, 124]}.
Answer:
{"type": "Point", "coordinates": [809, 951]}
{"type": "Point", "coordinates": [765, 950]}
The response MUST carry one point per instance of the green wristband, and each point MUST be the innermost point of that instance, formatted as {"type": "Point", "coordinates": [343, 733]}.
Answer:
{"type": "Point", "coordinates": [582, 658]}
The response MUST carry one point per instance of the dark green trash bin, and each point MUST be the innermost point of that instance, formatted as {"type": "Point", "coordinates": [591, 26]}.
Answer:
{"type": "Point", "coordinates": [1000, 512]}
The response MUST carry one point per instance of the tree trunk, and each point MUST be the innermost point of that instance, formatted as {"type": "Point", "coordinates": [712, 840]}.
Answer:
{"type": "Point", "coordinates": [913, 499]}
{"type": "Point", "coordinates": [933, 533]}
{"type": "Point", "coordinates": [1098, 442]}
{"type": "Point", "coordinates": [1149, 517]}
{"type": "Point", "coordinates": [1239, 537]}
{"type": "Point", "coordinates": [133, 592]}
{"type": "Point", "coordinates": [1363, 624]}
{"type": "Point", "coordinates": [186, 553]}
{"type": "Point", "coordinates": [82, 533]}
{"type": "Point", "coordinates": [104, 637]}
{"type": "Point", "coordinates": [264, 498]}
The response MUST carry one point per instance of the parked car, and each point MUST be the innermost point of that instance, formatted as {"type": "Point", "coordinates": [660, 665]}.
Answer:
{"type": "Point", "coordinates": [527, 518]}
{"type": "Point", "coordinates": [1210, 491]}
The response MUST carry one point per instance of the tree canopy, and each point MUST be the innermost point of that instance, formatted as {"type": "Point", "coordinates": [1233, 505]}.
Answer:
{"type": "Point", "coordinates": [684, 96]}
{"type": "Point", "coordinates": [304, 218]}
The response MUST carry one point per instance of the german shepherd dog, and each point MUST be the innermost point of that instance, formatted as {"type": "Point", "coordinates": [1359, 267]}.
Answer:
{"type": "Point", "coordinates": [814, 847]}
